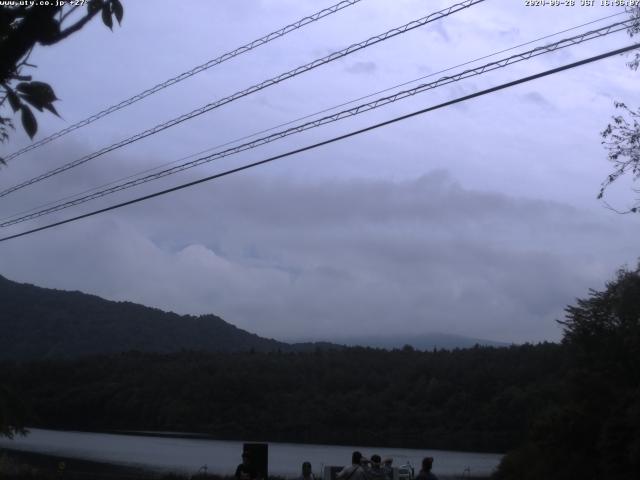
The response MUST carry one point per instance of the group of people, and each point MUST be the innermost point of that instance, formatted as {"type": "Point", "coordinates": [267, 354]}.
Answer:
{"type": "Point", "coordinates": [360, 469]}
{"type": "Point", "coordinates": [375, 469]}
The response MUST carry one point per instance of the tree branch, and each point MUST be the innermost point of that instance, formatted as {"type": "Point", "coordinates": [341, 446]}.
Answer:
{"type": "Point", "coordinates": [75, 27]}
{"type": "Point", "coordinates": [21, 40]}
{"type": "Point", "coordinates": [619, 212]}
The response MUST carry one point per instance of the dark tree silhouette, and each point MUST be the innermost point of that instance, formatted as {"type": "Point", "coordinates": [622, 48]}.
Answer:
{"type": "Point", "coordinates": [12, 413]}
{"type": "Point", "coordinates": [621, 137]}
{"type": "Point", "coordinates": [22, 28]}
{"type": "Point", "coordinates": [594, 430]}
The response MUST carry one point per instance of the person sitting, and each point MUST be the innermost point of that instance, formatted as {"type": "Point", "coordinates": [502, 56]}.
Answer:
{"type": "Point", "coordinates": [425, 473]}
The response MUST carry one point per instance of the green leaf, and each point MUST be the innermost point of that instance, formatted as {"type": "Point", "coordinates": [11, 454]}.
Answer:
{"type": "Point", "coordinates": [118, 11]}
{"type": "Point", "coordinates": [52, 109]}
{"type": "Point", "coordinates": [41, 92]}
{"type": "Point", "coordinates": [106, 15]}
{"type": "Point", "coordinates": [40, 95]}
{"type": "Point", "coordinates": [14, 101]}
{"type": "Point", "coordinates": [35, 103]}
{"type": "Point", "coordinates": [29, 121]}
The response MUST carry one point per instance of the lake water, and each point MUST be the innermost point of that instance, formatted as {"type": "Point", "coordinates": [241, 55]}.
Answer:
{"type": "Point", "coordinates": [188, 455]}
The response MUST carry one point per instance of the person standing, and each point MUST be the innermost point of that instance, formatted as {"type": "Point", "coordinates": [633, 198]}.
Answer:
{"type": "Point", "coordinates": [355, 471]}
{"type": "Point", "coordinates": [375, 471]}
{"type": "Point", "coordinates": [307, 474]}
{"type": "Point", "coordinates": [387, 467]}
{"type": "Point", "coordinates": [425, 472]}
{"type": "Point", "coordinates": [246, 471]}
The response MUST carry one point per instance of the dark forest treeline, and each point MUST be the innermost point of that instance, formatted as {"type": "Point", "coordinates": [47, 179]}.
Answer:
{"type": "Point", "coordinates": [564, 411]}
{"type": "Point", "coordinates": [591, 431]}
{"type": "Point", "coordinates": [479, 399]}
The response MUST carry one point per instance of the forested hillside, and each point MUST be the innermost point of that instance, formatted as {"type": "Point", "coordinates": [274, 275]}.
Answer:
{"type": "Point", "coordinates": [475, 399]}
{"type": "Point", "coordinates": [39, 323]}
{"type": "Point", "coordinates": [42, 323]}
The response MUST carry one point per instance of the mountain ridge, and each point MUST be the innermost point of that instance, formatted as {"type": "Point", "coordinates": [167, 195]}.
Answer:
{"type": "Point", "coordinates": [44, 323]}
{"type": "Point", "coordinates": [40, 323]}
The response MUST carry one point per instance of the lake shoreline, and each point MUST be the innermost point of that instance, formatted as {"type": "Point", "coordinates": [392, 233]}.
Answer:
{"type": "Point", "coordinates": [218, 438]}
{"type": "Point", "coordinates": [185, 454]}
{"type": "Point", "coordinates": [33, 465]}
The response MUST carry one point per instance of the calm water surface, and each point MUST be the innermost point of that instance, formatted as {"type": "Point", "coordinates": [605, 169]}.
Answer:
{"type": "Point", "coordinates": [222, 457]}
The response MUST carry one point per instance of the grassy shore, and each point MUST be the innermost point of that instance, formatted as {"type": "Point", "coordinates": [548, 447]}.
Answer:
{"type": "Point", "coordinates": [21, 465]}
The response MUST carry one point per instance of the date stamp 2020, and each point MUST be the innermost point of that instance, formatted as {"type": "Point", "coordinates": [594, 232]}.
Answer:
{"type": "Point", "coordinates": [582, 3]}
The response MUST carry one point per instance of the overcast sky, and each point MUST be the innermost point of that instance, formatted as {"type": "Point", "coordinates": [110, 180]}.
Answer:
{"type": "Point", "coordinates": [480, 219]}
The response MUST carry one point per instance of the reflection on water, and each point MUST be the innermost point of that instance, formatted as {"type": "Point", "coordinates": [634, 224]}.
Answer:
{"type": "Point", "coordinates": [222, 457]}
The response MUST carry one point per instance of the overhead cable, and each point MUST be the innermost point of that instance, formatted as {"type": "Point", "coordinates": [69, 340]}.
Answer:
{"type": "Point", "coordinates": [255, 88]}
{"type": "Point", "coordinates": [359, 109]}
{"type": "Point", "coordinates": [330, 141]}
{"type": "Point", "coordinates": [190, 73]}
{"type": "Point", "coordinates": [311, 115]}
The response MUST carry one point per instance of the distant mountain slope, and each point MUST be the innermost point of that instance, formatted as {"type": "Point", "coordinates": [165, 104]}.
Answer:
{"type": "Point", "coordinates": [38, 323]}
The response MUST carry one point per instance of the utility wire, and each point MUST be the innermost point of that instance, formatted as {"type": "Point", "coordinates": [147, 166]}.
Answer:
{"type": "Point", "coordinates": [290, 122]}
{"type": "Point", "coordinates": [184, 75]}
{"type": "Point", "coordinates": [255, 88]}
{"type": "Point", "coordinates": [567, 42]}
{"type": "Point", "coordinates": [332, 140]}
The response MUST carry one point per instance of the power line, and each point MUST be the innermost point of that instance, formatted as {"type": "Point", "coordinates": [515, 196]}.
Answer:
{"type": "Point", "coordinates": [184, 75]}
{"type": "Point", "coordinates": [575, 40]}
{"type": "Point", "coordinates": [255, 88]}
{"type": "Point", "coordinates": [290, 122]}
{"type": "Point", "coordinates": [332, 118]}
{"type": "Point", "coordinates": [331, 140]}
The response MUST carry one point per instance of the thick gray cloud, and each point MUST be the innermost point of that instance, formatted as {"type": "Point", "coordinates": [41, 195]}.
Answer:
{"type": "Point", "coordinates": [479, 219]}
{"type": "Point", "coordinates": [321, 259]}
